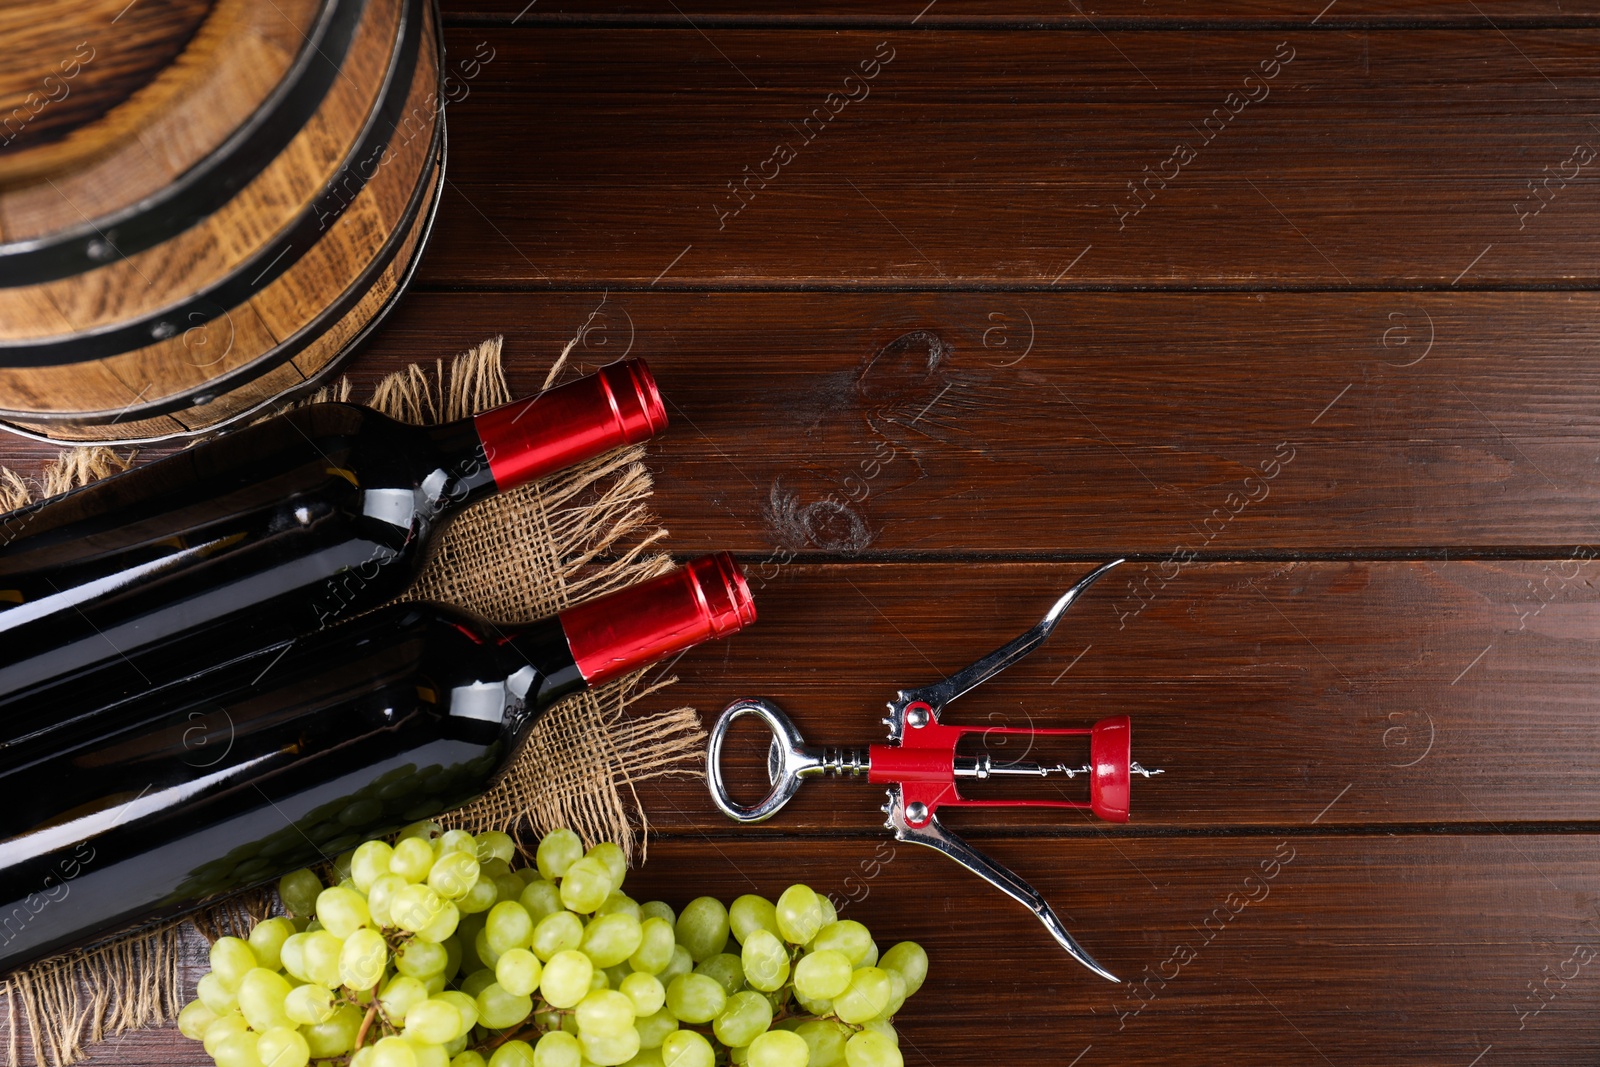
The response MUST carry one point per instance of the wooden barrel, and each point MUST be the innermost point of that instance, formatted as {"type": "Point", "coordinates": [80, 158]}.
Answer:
{"type": "Point", "coordinates": [204, 204]}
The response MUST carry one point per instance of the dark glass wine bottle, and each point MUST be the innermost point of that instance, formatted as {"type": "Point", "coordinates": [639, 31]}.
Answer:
{"type": "Point", "coordinates": [276, 529]}
{"type": "Point", "coordinates": [247, 769]}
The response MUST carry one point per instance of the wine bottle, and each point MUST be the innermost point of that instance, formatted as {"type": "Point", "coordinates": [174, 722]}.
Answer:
{"type": "Point", "coordinates": [277, 529]}
{"type": "Point", "coordinates": [247, 769]}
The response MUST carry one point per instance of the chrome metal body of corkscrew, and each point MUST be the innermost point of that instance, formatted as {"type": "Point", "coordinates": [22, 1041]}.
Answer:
{"type": "Point", "coordinates": [920, 766]}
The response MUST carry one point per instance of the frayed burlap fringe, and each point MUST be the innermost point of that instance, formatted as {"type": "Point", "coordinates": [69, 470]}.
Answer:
{"type": "Point", "coordinates": [522, 555]}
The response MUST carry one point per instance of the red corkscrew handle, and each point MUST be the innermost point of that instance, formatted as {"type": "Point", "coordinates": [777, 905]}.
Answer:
{"type": "Point", "coordinates": [528, 439]}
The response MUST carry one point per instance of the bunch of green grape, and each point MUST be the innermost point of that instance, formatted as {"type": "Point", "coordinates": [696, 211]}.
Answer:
{"type": "Point", "coordinates": [435, 952]}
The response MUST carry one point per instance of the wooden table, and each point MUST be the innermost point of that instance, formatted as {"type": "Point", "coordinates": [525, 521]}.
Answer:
{"type": "Point", "coordinates": [1294, 305]}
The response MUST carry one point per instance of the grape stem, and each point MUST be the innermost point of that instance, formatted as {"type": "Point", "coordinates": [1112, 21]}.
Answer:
{"type": "Point", "coordinates": [366, 1023]}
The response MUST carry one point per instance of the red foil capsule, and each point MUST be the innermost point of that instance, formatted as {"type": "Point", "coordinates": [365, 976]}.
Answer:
{"type": "Point", "coordinates": [612, 635]}
{"type": "Point", "coordinates": [527, 439]}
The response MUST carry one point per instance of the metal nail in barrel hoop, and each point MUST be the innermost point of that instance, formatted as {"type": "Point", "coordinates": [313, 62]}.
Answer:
{"type": "Point", "coordinates": [922, 769]}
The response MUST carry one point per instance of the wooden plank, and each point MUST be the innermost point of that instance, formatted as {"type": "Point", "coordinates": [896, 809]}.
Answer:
{"type": "Point", "coordinates": [1419, 694]}
{"type": "Point", "coordinates": [1026, 13]}
{"type": "Point", "coordinates": [809, 422]}
{"type": "Point", "coordinates": [598, 157]}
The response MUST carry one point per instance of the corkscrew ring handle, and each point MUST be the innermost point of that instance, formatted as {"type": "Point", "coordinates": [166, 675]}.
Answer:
{"type": "Point", "coordinates": [789, 760]}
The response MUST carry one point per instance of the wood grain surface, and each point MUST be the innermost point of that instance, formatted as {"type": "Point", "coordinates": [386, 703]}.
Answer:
{"type": "Point", "coordinates": [1331, 390]}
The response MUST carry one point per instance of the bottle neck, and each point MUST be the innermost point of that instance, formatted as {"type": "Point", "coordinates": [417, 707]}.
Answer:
{"type": "Point", "coordinates": [462, 464]}
{"type": "Point", "coordinates": [543, 646]}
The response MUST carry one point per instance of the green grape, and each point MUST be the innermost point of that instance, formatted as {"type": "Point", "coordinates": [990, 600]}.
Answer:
{"type": "Point", "coordinates": [434, 984]}
{"type": "Point", "coordinates": [381, 896]}
{"type": "Point", "coordinates": [869, 1049]}
{"type": "Point", "coordinates": [778, 1048]}
{"type": "Point", "coordinates": [867, 995]}
{"type": "Point", "coordinates": [457, 841]}
{"type": "Point", "coordinates": [653, 1029]}
{"type": "Point", "coordinates": [362, 1057]}
{"type": "Point", "coordinates": [616, 863]}
{"type": "Point", "coordinates": [266, 941]}
{"type": "Point", "coordinates": [612, 938]}
{"type": "Point", "coordinates": [225, 1027]}
{"type": "Point", "coordinates": [508, 927]}
{"type": "Point", "coordinates": [599, 979]}
{"type": "Point", "coordinates": [261, 996]}
{"type": "Point", "coordinates": [425, 829]}
{"type": "Point", "coordinates": [341, 866]}
{"type": "Point", "coordinates": [681, 963]}
{"type": "Point", "coordinates": [696, 998]}
{"type": "Point", "coordinates": [485, 951]}
{"type": "Point", "coordinates": [566, 978]}
{"type": "Point", "coordinates": [469, 1058]}
{"type": "Point", "coordinates": [656, 942]}
{"type": "Point", "coordinates": [194, 1018]}
{"type": "Point", "coordinates": [419, 959]}
{"type": "Point", "coordinates": [433, 1021]}
{"type": "Point", "coordinates": [749, 913]}
{"type": "Point", "coordinates": [282, 1046]}
{"type": "Point", "coordinates": [846, 936]}
{"type": "Point", "coordinates": [813, 1006]}
{"type": "Point", "coordinates": [799, 914]}
{"type": "Point", "coordinates": [429, 1055]}
{"type": "Point", "coordinates": [342, 911]}
{"type": "Point", "coordinates": [298, 890]}
{"type": "Point", "coordinates": [658, 909]}
{"type": "Point", "coordinates": [292, 955]}
{"type": "Point", "coordinates": [518, 971]}
{"type": "Point", "coordinates": [739, 1056]}
{"type": "Point", "coordinates": [586, 884]}
{"type": "Point", "coordinates": [766, 960]}
{"type": "Point", "coordinates": [416, 906]}
{"type": "Point", "coordinates": [493, 868]}
{"type": "Point", "coordinates": [685, 1048]}
{"type": "Point", "coordinates": [871, 959]}
{"type": "Point", "coordinates": [539, 898]}
{"type": "Point", "coordinates": [823, 974]}
{"type": "Point", "coordinates": [498, 1009]}
{"type": "Point", "coordinates": [238, 1050]}
{"type": "Point", "coordinates": [605, 1013]}
{"type": "Point", "coordinates": [400, 994]}
{"type": "Point", "coordinates": [512, 1054]}
{"type": "Point", "coordinates": [897, 994]}
{"type": "Point", "coordinates": [647, 1057]}
{"type": "Point", "coordinates": [745, 1018]}
{"type": "Point", "coordinates": [646, 993]}
{"type": "Point", "coordinates": [826, 1039]}
{"type": "Point", "coordinates": [609, 1050]}
{"type": "Point", "coordinates": [557, 1049]}
{"type": "Point", "coordinates": [619, 902]}
{"type": "Point", "coordinates": [336, 1035]}
{"type": "Point", "coordinates": [882, 1026]}
{"type": "Point", "coordinates": [483, 895]}
{"type": "Point", "coordinates": [911, 961]}
{"type": "Point", "coordinates": [309, 1004]}
{"type": "Point", "coordinates": [452, 954]}
{"type": "Point", "coordinates": [412, 859]}
{"type": "Point", "coordinates": [558, 932]}
{"type": "Point", "coordinates": [615, 974]}
{"type": "Point", "coordinates": [703, 928]}
{"type": "Point", "coordinates": [231, 959]}
{"type": "Point", "coordinates": [559, 850]}
{"type": "Point", "coordinates": [726, 969]}
{"type": "Point", "coordinates": [394, 1051]}
{"type": "Point", "coordinates": [453, 874]}
{"type": "Point", "coordinates": [465, 1004]}
{"type": "Point", "coordinates": [216, 994]}
{"type": "Point", "coordinates": [362, 959]}
{"type": "Point", "coordinates": [494, 845]}
{"type": "Point", "coordinates": [476, 983]}
{"type": "Point", "coordinates": [370, 862]}
{"type": "Point", "coordinates": [829, 912]}
{"type": "Point", "coordinates": [443, 925]}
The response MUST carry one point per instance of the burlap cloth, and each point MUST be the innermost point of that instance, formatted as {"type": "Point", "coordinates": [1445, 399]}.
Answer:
{"type": "Point", "coordinates": [522, 555]}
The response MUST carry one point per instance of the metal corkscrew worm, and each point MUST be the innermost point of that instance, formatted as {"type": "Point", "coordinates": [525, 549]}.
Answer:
{"type": "Point", "coordinates": [921, 768]}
